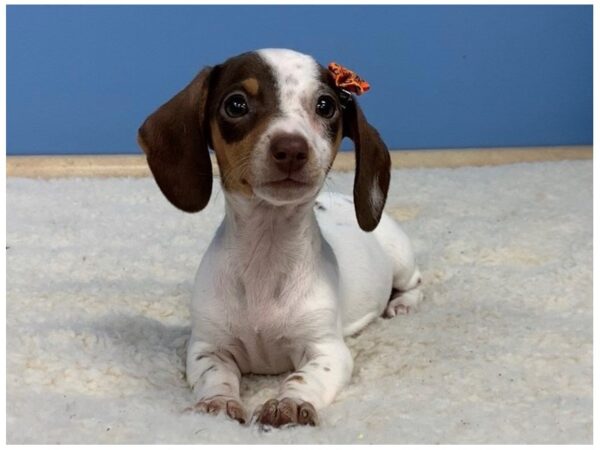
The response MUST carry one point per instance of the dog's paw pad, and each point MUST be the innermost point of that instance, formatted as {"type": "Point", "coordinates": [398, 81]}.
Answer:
{"type": "Point", "coordinates": [287, 411]}
{"type": "Point", "coordinates": [221, 404]}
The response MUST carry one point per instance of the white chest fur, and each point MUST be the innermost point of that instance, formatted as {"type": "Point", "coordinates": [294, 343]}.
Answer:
{"type": "Point", "coordinates": [267, 281]}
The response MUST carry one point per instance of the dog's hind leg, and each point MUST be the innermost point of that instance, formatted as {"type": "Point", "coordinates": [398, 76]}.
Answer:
{"type": "Point", "coordinates": [405, 297]}
{"type": "Point", "coordinates": [406, 292]}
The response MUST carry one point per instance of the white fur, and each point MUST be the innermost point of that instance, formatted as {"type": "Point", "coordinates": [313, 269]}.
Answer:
{"type": "Point", "coordinates": [280, 284]}
{"type": "Point", "coordinates": [296, 75]}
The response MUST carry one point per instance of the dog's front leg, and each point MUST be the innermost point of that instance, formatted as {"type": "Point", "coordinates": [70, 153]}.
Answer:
{"type": "Point", "coordinates": [215, 379]}
{"type": "Point", "coordinates": [323, 370]}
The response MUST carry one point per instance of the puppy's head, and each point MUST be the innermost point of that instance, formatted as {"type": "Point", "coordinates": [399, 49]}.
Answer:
{"type": "Point", "coordinates": [275, 121]}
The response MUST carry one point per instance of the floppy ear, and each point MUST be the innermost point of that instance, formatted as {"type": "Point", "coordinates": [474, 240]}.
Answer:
{"type": "Point", "coordinates": [372, 177]}
{"type": "Point", "coordinates": [176, 145]}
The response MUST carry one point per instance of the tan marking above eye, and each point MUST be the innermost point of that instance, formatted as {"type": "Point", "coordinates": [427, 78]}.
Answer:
{"type": "Point", "coordinates": [251, 86]}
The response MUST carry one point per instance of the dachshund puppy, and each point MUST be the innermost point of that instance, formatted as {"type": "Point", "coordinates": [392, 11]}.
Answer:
{"type": "Point", "coordinates": [289, 272]}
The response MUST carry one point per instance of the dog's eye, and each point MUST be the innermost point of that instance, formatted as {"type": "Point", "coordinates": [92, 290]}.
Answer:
{"type": "Point", "coordinates": [236, 105]}
{"type": "Point", "coordinates": [326, 106]}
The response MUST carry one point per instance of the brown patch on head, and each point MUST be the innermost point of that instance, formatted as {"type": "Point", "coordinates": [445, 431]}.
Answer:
{"type": "Point", "coordinates": [251, 86]}
{"type": "Point", "coordinates": [247, 73]}
{"type": "Point", "coordinates": [234, 139]}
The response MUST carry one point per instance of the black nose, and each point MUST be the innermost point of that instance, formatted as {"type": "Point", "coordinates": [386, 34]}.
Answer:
{"type": "Point", "coordinates": [289, 152]}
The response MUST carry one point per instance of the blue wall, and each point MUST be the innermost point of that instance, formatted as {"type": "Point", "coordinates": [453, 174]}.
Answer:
{"type": "Point", "coordinates": [80, 79]}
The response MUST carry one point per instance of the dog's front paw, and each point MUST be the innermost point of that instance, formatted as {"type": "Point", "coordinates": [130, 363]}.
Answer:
{"type": "Point", "coordinates": [217, 404]}
{"type": "Point", "coordinates": [287, 411]}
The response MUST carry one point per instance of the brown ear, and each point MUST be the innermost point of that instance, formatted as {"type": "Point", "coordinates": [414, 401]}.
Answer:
{"type": "Point", "coordinates": [176, 146]}
{"type": "Point", "coordinates": [372, 177]}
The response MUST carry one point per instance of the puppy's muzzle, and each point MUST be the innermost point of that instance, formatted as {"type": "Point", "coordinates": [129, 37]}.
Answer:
{"type": "Point", "coordinates": [289, 152]}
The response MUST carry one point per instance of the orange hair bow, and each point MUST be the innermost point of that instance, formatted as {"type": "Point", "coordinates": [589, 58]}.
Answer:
{"type": "Point", "coordinates": [347, 79]}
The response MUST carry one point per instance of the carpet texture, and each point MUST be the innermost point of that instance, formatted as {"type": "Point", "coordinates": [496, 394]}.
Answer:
{"type": "Point", "coordinates": [99, 274]}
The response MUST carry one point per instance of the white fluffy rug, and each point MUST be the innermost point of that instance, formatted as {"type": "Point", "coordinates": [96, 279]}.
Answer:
{"type": "Point", "coordinates": [99, 272]}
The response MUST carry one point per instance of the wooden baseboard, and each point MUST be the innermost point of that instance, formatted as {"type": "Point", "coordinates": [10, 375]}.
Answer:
{"type": "Point", "coordinates": [136, 166]}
